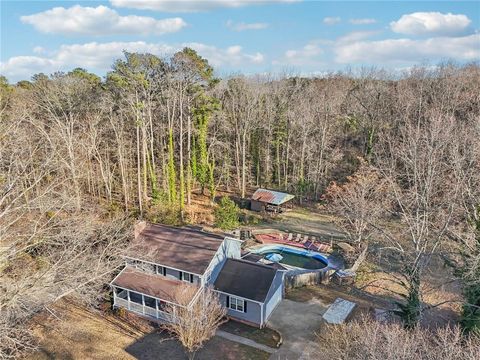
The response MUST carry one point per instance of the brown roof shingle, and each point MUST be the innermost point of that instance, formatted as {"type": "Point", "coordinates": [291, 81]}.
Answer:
{"type": "Point", "coordinates": [183, 248]}
{"type": "Point", "coordinates": [153, 285]}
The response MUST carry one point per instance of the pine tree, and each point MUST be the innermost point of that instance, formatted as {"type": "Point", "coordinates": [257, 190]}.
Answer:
{"type": "Point", "coordinates": [226, 215]}
{"type": "Point", "coordinates": [203, 111]}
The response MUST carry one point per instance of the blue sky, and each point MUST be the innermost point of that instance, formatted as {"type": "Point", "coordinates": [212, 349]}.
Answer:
{"type": "Point", "coordinates": [305, 37]}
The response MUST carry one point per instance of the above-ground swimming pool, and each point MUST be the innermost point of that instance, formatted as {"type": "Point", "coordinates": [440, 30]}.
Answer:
{"type": "Point", "coordinates": [298, 258]}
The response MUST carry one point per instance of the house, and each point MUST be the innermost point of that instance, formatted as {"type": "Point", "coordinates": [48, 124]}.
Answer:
{"type": "Point", "coordinates": [162, 258]}
{"type": "Point", "coordinates": [249, 290]}
{"type": "Point", "coordinates": [263, 199]}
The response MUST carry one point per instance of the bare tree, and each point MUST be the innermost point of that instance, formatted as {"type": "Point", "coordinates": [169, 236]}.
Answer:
{"type": "Point", "coordinates": [194, 322]}
{"type": "Point", "coordinates": [368, 339]}
{"type": "Point", "coordinates": [359, 202]}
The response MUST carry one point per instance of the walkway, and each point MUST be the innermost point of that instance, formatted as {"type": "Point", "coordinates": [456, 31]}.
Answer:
{"type": "Point", "coordinates": [245, 341]}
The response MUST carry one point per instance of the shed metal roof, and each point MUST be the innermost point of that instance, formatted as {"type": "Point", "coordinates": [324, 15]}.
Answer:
{"type": "Point", "coordinates": [271, 197]}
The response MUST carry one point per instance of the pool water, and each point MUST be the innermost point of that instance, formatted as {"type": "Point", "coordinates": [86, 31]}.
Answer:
{"type": "Point", "coordinates": [297, 260]}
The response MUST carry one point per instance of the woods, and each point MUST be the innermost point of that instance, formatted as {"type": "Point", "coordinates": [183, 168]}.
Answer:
{"type": "Point", "coordinates": [159, 128]}
{"type": "Point", "coordinates": [81, 156]}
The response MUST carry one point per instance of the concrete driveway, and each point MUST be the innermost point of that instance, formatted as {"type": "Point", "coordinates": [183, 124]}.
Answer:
{"type": "Point", "coordinates": [297, 322]}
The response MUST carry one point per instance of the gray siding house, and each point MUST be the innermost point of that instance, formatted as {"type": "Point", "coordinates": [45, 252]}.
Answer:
{"type": "Point", "coordinates": [249, 290]}
{"type": "Point", "coordinates": [161, 258]}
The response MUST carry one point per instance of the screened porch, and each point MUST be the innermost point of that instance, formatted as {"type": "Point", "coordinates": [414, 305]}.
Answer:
{"type": "Point", "coordinates": [140, 303]}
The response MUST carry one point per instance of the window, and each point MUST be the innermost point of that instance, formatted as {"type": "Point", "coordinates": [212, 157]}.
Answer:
{"type": "Point", "coordinates": [122, 294]}
{"type": "Point", "coordinates": [134, 263]}
{"type": "Point", "coordinates": [160, 270]}
{"type": "Point", "coordinates": [150, 302]}
{"type": "Point", "coordinates": [162, 305]}
{"type": "Point", "coordinates": [187, 277]}
{"type": "Point", "coordinates": [136, 298]}
{"type": "Point", "coordinates": [237, 304]}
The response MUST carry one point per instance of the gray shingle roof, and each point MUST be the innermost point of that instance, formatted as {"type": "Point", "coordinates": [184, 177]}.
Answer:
{"type": "Point", "coordinates": [245, 279]}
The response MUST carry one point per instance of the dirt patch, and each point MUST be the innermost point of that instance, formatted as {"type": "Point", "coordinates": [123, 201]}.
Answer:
{"type": "Point", "coordinates": [328, 293]}
{"type": "Point", "coordinates": [265, 336]}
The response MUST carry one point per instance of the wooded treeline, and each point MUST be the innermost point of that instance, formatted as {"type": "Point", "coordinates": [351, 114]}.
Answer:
{"type": "Point", "coordinates": [78, 152]}
{"type": "Point", "coordinates": [159, 128]}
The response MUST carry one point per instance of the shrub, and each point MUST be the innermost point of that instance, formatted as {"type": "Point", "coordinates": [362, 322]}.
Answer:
{"type": "Point", "coordinates": [160, 211]}
{"type": "Point", "coordinates": [471, 309]}
{"type": "Point", "coordinates": [226, 214]}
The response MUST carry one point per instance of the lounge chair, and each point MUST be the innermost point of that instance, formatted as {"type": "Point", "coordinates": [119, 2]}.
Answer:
{"type": "Point", "coordinates": [290, 237]}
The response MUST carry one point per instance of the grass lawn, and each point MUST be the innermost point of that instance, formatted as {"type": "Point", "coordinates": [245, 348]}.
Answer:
{"type": "Point", "coordinates": [78, 333]}
{"type": "Point", "coordinates": [368, 300]}
{"type": "Point", "coordinates": [263, 336]}
{"type": "Point", "coordinates": [328, 293]}
{"type": "Point", "coordinates": [152, 345]}
{"type": "Point", "coordinates": [305, 221]}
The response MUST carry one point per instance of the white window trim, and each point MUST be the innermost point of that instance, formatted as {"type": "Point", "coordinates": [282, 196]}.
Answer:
{"type": "Point", "coordinates": [186, 276]}
{"type": "Point", "coordinates": [240, 297]}
{"type": "Point", "coordinates": [237, 300]}
{"type": "Point", "coordinates": [159, 269]}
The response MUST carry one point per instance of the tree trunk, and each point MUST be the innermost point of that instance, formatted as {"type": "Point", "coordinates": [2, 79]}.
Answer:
{"type": "Point", "coordinates": [189, 157]}
{"type": "Point", "coordinates": [181, 174]}
{"type": "Point", "coordinates": [244, 165]}
{"type": "Point", "coordinates": [139, 176]}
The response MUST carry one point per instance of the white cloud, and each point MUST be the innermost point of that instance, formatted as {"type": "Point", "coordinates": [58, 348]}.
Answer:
{"type": "Point", "coordinates": [411, 51]}
{"type": "Point", "coordinates": [233, 55]}
{"type": "Point", "coordinates": [100, 56]}
{"type": "Point", "coordinates": [22, 67]}
{"type": "Point", "coordinates": [331, 20]}
{"type": "Point", "coordinates": [79, 20]}
{"type": "Point", "coordinates": [308, 50]}
{"type": "Point", "coordinates": [190, 5]}
{"type": "Point", "coordinates": [362, 21]}
{"type": "Point", "coordinates": [38, 50]}
{"type": "Point", "coordinates": [431, 23]}
{"type": "Point", "coordinates": [356, 36]}
{"type": "Point", "coordinates": [310, 54]}
{"type": "Point", "coordinates": [241, 26]}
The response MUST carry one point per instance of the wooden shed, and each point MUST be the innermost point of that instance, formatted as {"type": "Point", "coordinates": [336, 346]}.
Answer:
{"type": "Point", "coordinates": [263, 199]}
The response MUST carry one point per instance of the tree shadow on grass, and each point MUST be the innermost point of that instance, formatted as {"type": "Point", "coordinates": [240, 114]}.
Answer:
{"type": "Point", "coordinates": [161, 345]}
